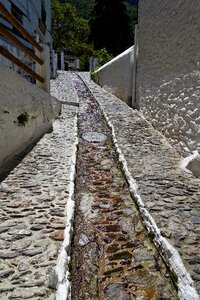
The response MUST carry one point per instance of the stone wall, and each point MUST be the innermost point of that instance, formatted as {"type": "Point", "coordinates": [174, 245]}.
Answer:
{"type": "Point", "coordinates": [168, 70]}
{"type": "Point", "coordinates": [26, 113]}
{"type": "Point", "coordinates": [117, 75]}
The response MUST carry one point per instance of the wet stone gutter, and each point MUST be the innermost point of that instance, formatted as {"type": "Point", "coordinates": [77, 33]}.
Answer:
{"type": "Point", "coordinates": [112, 256]}
{"type": "Point", "coordinates": [168, 198]}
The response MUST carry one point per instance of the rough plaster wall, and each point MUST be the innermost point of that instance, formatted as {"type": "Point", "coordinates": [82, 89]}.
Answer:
{"type": "Point", "coordinates": [116, 76]}
{"type": "Point", "coordinates": [18, 96]}
{"type": "Point", "coordinates": [168, 77]}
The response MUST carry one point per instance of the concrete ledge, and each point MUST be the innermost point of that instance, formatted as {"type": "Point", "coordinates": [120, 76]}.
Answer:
{"type": "Point", "coordinates": [116, 76]}
{"type": "Point", "coordinates": [56, 107]}
{"type": "Point", "coordinates": [26, 113]}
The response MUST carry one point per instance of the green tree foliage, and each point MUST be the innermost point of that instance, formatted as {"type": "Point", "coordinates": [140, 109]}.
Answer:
{"type": "Point", "coordinates": [103, 56]}
{"type": "Point", "coordinates": [111, 29]}
{"type": "Point", "coordinates": [84, 7]}
{"type": "Point", "coordinates": [68, 29]}
{"type": "Point", "coordinates": [132, 13]}
{"type": "Point", "coordinates": [110, 26]}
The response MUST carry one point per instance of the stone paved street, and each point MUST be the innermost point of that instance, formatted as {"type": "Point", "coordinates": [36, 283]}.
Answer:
{"type": "Point", "coordinates": [37, 208]}
{"type": "Point", "coordinates": [169, 194]}
{"type": "Point", "coordinates": [33, 208]}
{"type": "Point", "coordinates": [112, 256]}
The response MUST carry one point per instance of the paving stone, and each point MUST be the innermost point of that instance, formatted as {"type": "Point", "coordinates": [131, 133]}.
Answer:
{"type": "Point", "coordinates": [5, 245]}
{"type": "Point", "coordinates": [56, 226]}
{"type": "Point", "coordinates": [6, 273]}
{"type": "Point", "coordinates": [117, 291]}
{"type": "Point", "coordinates": [53, 279]}
{"type": "Point", "coordinates": [143, 256]}
{"type": "Point", "coordinates": [57, 235]}
{"type": "Point", "coordinates": [33, 252]}
{"type": "Point", "coordinates": [8, 254]}
{"type": "Point", "coordinates": [197, 269]}
{"type": "Point", "coordinates": [20, 232]}
{"type": "Point", "coordinates": [19, 275]}
{"type": "Point", "coordinates": [3, 229]}
{"type": "Point", "coordinates": [32, 284]}
{"type": "Point", "coordinates": [21, 245]}
{"type": "Point", "coordinates": [83, 240]}
{"type": "Point", "coordinates": [195, 220]}
{"type": "Point", "coordinates": [6, 289]}
{"type": "Point", "coordinates": [31, 294]}
{"type": "Point", "coordinates": [37, 227]}
{"type": "Point", "coordinates": [22, 266]}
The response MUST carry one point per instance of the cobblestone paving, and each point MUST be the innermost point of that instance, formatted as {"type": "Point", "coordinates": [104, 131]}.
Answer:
{"type": "Point", "coordinates": [112, 255]}
{"type": "Point", "coordinates": [34, 196]}
{"type": "Point", "coordinates": [171, 195]}
{"type": "Point", "coordinates": [32, 208]}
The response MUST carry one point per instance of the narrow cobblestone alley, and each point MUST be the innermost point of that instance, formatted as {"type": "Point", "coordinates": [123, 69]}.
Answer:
{"type": "Point", "coordinates": [82, 213]}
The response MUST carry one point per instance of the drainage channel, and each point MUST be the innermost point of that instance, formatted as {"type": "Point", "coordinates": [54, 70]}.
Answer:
{"type": "Point", "coordinates": [112, 255]}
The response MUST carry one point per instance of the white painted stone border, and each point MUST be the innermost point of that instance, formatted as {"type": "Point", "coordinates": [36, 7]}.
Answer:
{"type": "Point", "coordinates": [186, 289]}
{"type": "Point", "coordinates": [185, 161]}
{"type": "Point", "coordinates": [64, 258]}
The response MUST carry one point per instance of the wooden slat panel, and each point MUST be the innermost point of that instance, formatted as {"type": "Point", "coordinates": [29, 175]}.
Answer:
{"type": "Point", "coordinates": [18, 26]}
{"type": "Point", "coordinates": [4, 32]}
{"type": "Point", "coordinates": [20, 64]}
{"type": "Point", "coordinates": [41, 35]}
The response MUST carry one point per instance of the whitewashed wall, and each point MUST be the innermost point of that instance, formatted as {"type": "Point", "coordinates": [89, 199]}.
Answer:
{"type": "Point", "coordinates": [117, 75]}
{"type": "Point", "coordinates": [17, 97]}
{"type": "Point", "coordinates": [168, 70]}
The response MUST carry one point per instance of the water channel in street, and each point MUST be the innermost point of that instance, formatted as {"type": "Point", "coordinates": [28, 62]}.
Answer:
{"type": "Point", "coordinates": [112, 255]}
